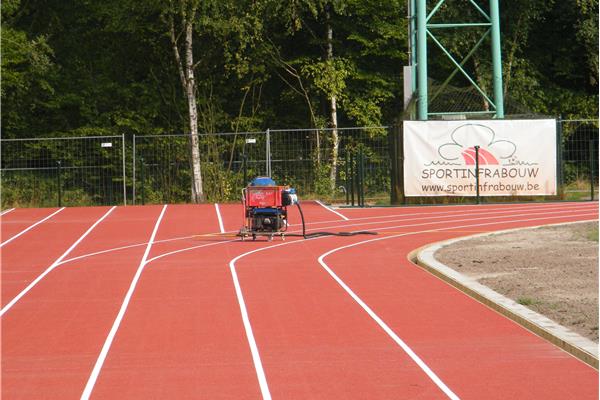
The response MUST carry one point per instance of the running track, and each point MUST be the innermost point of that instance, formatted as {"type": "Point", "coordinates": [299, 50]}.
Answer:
{"type": "Point", "coordinates": [154, 302]}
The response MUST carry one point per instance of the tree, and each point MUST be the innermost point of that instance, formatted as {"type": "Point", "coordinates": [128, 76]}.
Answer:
{"type": "Point", "coordinates": [185, 13]}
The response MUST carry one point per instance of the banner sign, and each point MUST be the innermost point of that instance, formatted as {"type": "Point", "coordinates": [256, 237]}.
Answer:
{"type": "Point", "coordinates": [516, 157]}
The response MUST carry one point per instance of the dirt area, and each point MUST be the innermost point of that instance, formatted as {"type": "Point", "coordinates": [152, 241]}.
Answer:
{"type": "Point", "coordinates": [552, 270]}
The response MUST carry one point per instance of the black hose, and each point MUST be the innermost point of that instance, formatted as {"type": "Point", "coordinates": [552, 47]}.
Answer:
{"type": "Point", "coordinates": [318, 234]}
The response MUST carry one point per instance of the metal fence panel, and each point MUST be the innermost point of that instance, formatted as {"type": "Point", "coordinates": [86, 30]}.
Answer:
{"type": "Point", "coordinates": [67, 171]}
{"type": "Point", "coordinates": [162, 165]}
{"type": "Point", "coordinates": [92, 170]}
{"type": "Point", "coordinates": [579, 159]}
{"type": "Point", "coordinates": [303, 158]}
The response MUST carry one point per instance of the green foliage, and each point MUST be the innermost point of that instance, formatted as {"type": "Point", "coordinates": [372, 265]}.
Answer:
{"type": "Point", "coordinates": [78, 68]}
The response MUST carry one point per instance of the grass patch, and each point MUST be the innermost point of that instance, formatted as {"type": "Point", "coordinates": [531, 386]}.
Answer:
{"type": "Point", "coordinates": [592, 234]}
{"type": "Point", "coordinates": [526, 301]}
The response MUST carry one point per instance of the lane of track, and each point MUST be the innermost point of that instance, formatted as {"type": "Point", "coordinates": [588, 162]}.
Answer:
{"type": "Point", "coordinates": [150, 351]}
{"type": "Point", "coordinates": [479, 353]}
{"type": "Point", "coordinates": [181, 308]}
{"type": "Point", "coordinates": [24, 259]}
{"type": "Point", "coordinates": [18, 220]}
{"type": "Point", "coordinates": [186, 291]}
{"type": "Point", "coordinates": [308, 335]}
{"type": "Point", "coordinates": [52, 336]}
{"type": "Point", "coordinates": [195, 343]}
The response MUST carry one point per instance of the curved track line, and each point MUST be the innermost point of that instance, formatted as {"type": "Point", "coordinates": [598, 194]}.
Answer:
{"type": "Point", "coordinates": [125, 248]}
{"type": "Point", "coordinates": [113, 330]}
{"type": "Point", "coordinates": [438, 382]}
{"type": "Point", "coordinates": [332, 210]}
{"type": "Point", "coordinates": [500, 210]}
{"type": "Point", "coordinates": [260, 373]}
{"type": "Point", "coordinates": [7, 211]}
{"type": "Point", "coordinates": [347, 225]}
{"type": "Point", "coordinates": [170, 253]}
{"type": "Point", "coordinates": [377, 319]}
{"type": "Point", "coordinates": [54, 264]}
{"type": "Point", "coordinates": [481, 208]}
{"type": "Point", "coordinates": [60, 261]}
{"type": "Point", "coordinates": [248, 327]}
{"type": "Point", "coordinates": [31, 227]}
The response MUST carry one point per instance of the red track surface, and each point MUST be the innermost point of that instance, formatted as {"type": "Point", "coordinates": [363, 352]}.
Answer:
{"type": "Point", "coordinates": [124, 318]}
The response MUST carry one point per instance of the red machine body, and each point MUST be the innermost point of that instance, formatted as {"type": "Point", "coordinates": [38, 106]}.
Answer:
{"type": "Point", "coordinates": [265, 208]}
{"type": "Point", "coordinates": [264, 196]}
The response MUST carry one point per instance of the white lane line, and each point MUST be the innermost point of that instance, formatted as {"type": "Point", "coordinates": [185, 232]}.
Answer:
{"type": "Point", "coordinates": [219, 218]}
{"type": "Point", "coordinates": [113, 330]}
{"type": "Point", "coordinates": [7, 211]}
{"type": "Point", "coordinates": [260, 373]}
{"type": "Point", "coordinates": [332, 210]}
{"type": "Point", "coordinates": [439, 383]}
{"type": "Point", "coordinates": [246, 320]}
{"type": "Point", "coordinates": [379, 228]}
{"type": "Point", "coordinates": [461, 212]}
{"type": "Point", "coordinates": [480, 210]}
{"type": "Point", "coordinates": [54, 264]}
{"type": "Point", "coordinates": [380, 322]}
{"type": "Point", "coordinates": [31, 227]}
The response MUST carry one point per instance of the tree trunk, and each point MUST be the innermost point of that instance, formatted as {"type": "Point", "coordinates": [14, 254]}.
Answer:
{"type": "Point", "coordinates": [188, 83]}
{"type": "Point", "coordinates": [333, 102]}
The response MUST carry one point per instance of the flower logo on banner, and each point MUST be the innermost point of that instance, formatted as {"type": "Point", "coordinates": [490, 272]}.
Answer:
{"type": "Point", "coordinates": [466, 137]}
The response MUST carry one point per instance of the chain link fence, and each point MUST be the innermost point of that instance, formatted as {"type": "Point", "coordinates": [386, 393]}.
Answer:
{"type": "Point", "coordinates": [156, 168]}
{"type": "Point", "coordinates": [66, 171]}
{"type": "Point", "coordinates": [578, 158]}
{"type": "Point", "coordinates": [301, 158]}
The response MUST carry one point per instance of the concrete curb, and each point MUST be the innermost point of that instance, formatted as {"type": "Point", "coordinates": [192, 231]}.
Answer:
{"type": "Point", "coordinates": [571, 342]}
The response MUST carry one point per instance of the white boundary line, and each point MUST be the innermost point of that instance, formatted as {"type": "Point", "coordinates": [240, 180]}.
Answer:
{"type": "Point", "coordinates": [7, 211]}
{"type": "Point", "coordinates": [219, 218]}
{"type": "Point", "coordinates": [439, 383]}
{"type": "Point", "coordinates": [379, 321]}
{"type": "Point", "coordinates": [54, 264]}
{"type": "Point", "coordinates": [31, 227]}
{"type": "Point", "coordinates": [248, 327]}
{"type": "Point", "coordinates": [487, 212]}
{"type": "Point", "coordinates": [260, 373]}
{"type": "Point", "coordinates": [113, 330]}
{"type": "Point", "coordinates": [333, 211]}
{"type": "Point", "coordinates": [326, 227]}
{"type": "Point", "coordinates": [335, 226]}
{"type": "Point", "coordinates": [427, 256]}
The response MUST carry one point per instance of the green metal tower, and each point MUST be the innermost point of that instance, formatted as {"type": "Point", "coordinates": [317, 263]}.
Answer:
{"type": "Point", "coordinates": [421, 29]}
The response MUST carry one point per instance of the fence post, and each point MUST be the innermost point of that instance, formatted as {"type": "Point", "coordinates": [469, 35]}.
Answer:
{"type": "Point", "coordinates": [245, 166]}
{"type": "Point", "coordinates": [268, 152]}
{"type": "Point", "coordinates": [592, 169]}
{"type": "Point", "coordinates": [352, 178]}
{"type": "Point", "coordinates": [362, 178]}
{"type": "Point", "coordinates": [59, 183]}
{"type": "Point", "coordinates": [124, 177]}
{"type": "Point", "coordinates": [347, 171]}
{"type": "Point", "coordinates": [133, 172]}
{"type": "Point", "coordinates": [477, 174]}
{"type": "Point", "coordinates": [559, 154]}
{"type": "Point", "coordinates": [142, 189]}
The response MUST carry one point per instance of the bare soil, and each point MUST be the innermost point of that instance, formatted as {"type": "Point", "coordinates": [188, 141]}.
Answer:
{"type": "Point", "coordinates": [552, 270]}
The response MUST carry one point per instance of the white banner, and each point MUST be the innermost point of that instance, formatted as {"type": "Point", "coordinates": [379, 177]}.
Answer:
{"type": "Point", "coordinates": [516, 157]}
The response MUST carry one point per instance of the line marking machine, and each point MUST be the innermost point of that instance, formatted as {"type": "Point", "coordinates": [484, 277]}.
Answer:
{"type": "Point", "coordinates": [265, 211]}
